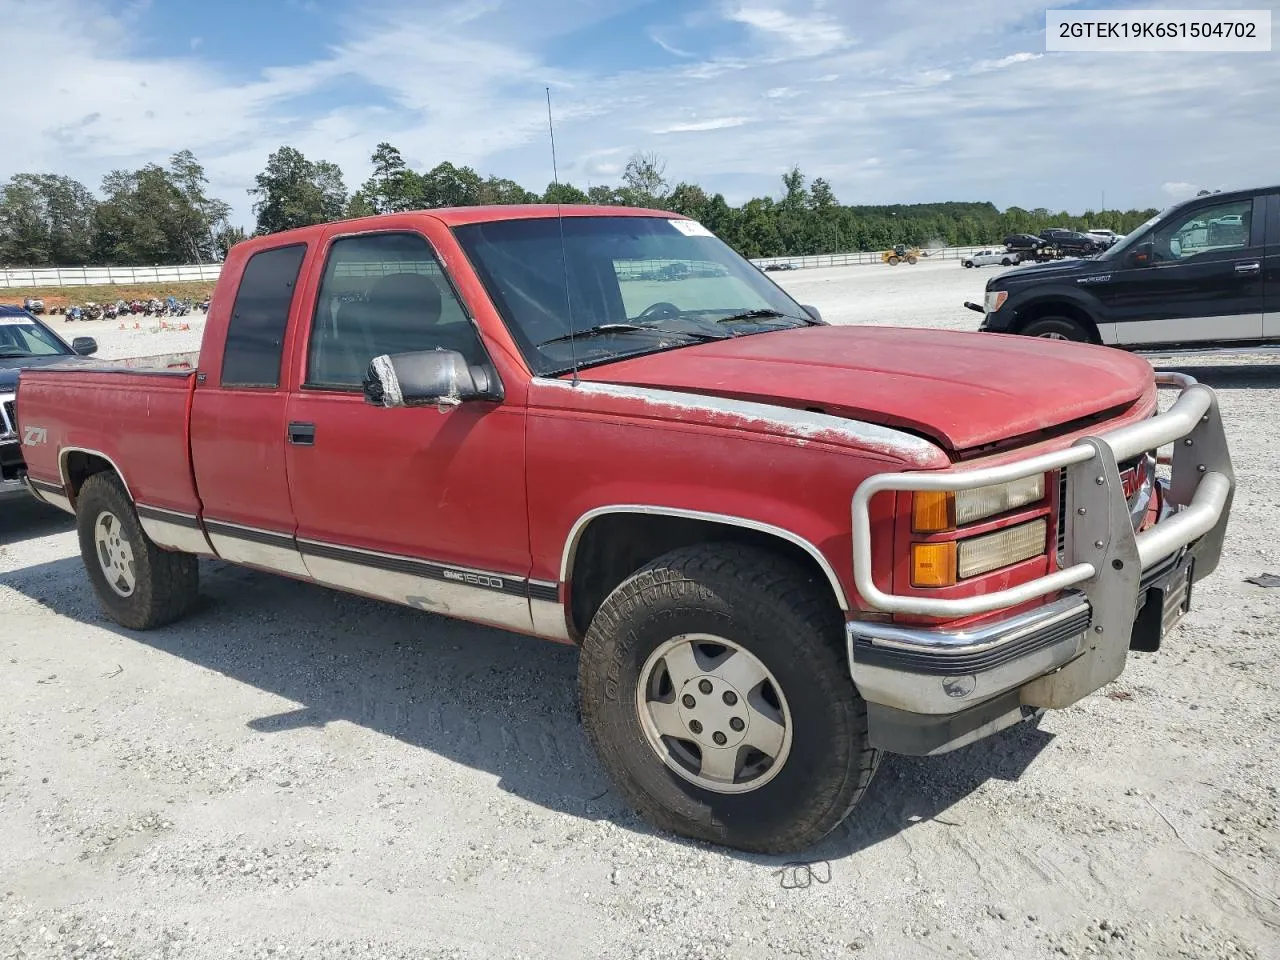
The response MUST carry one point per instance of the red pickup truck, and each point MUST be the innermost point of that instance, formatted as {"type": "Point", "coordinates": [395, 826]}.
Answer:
{"type": "Point", "coordinates": [783, 547]}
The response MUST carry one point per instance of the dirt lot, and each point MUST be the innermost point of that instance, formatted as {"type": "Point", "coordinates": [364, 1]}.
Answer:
{"type": "Point", "coordinates": [296, 773]}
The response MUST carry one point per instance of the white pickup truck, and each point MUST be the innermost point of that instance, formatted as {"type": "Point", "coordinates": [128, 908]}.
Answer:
{"type": "Point", "coordinates": [986, 258]}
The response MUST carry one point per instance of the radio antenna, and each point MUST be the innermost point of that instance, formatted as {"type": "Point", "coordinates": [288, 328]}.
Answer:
{"type": "Point", "coordinates": [564, 255]}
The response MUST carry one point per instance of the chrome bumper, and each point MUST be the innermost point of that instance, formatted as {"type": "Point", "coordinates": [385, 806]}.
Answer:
{"type": "Point", "coordinates": [1061, 651]}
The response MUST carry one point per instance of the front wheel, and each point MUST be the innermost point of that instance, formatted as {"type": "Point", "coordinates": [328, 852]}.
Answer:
{"type": "Point", "coordinates": [715, 690]}
{"type": "Point", "coordinates": [1056, 328]}
{"type": "Point", "coordinates": [138, 584]}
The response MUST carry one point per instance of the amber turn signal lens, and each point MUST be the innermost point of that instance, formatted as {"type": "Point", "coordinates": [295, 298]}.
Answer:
{"type": "Point", "coordinates": [933, 511]}
{"type": "Point", "coordinates": [933, 564]}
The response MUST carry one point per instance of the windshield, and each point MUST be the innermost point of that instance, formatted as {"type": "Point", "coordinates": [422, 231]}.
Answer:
{"type": "Point", "coordinates": [1128, 239]}
{"type": "Point", "coordinates": [631, 284]}
{"type": "Point", "coordinates": [23, 337]}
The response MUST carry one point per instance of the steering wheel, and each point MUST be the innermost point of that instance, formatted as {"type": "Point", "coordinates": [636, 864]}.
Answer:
{"type": "Point", "coordinates": [662, 310]}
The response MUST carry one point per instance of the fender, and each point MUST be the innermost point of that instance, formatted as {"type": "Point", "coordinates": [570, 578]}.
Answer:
{"type": "Point", "coordinates": [575, 535]}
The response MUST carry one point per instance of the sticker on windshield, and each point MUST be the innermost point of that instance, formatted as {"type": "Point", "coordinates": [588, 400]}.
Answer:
{"type": "Point", "coordinates": [15, 321]}
{"type": "Point", "coordinates": [691, 228]}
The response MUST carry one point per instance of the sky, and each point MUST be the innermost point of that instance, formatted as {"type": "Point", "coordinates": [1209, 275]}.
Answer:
{"type": "Point", "coordinates": [896, 102]}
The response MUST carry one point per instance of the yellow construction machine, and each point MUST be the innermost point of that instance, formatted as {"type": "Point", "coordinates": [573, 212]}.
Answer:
{"type": "Point", "coordinates": [901, 252]}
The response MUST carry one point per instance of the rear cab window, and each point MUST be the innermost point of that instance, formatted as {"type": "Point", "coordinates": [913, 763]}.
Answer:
{"type": "Point", "coordinates": [259, 317]}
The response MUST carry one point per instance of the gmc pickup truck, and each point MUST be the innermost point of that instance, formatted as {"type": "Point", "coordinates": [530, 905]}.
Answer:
{"type": "Point", "coordinates": [783, 547]}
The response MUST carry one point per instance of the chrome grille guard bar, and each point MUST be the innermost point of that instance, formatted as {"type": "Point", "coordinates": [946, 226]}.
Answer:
{"type": "Point", "coordinates": [1099, 536]}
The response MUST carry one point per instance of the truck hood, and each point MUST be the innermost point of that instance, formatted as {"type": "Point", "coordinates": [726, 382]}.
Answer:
{"type": "Point", "coordinates": [1057, 268]}
{"type": "Point", "coordinates": [961, 390]}
{"type": "Point", "coordinates": [12, 366]}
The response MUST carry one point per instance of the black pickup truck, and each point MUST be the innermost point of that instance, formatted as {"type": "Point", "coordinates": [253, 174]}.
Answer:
{"type": "Point", "coordinates": [1204, 273]}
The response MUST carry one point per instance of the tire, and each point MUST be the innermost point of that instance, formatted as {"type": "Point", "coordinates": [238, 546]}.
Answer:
{"type": "Point", "coordinates": [1006, 262]}
{"type": "Point", "coordinates": [893, 261]}
{"type": "Point", "coordinates": [165, 583]}
{"type": "Point", "coordinates": [785, 622]}
{"type": "Point", "coordinates": [913, 259]}
{"type": "Point", "coordinates": [1056, 328]}
{"type": "Point", "coordinates": [968, 264]}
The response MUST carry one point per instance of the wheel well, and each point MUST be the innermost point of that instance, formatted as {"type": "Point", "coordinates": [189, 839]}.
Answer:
{"type": "Point", "coordinates": [616, 545]}
{"type": "Point", "coordinates": [78, 466]}
{"type": "Point", "coordinates": [1058, 308]}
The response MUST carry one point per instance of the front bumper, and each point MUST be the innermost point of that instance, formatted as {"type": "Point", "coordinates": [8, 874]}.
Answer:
{"type": "Point", "coordinates": [1116, 589]}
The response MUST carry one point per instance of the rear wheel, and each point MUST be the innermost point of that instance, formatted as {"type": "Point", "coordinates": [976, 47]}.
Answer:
{"type": "Point", "coordinates": [893, 261]}
{"type": "Point", "coordinates": [913, 259]}
{"type": "Point", "coordinates": [138, 584]}
{"type": "Point", "coordinates": [715, 690]}
{"type": "Point", "coordinates": [1056, 328]}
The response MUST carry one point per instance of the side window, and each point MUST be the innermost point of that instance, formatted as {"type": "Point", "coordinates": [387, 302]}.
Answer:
{"type": "Point", "coordinates": [1225, 226]}
{"type": "Point", "coordinates": [255, 333]}
{"type": "Point", "coordinates": [383, 293]}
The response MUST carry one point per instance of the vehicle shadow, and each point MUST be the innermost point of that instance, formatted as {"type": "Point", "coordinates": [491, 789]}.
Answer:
{"type": "Point", "coordinates": [26, 518]}
{"type": "Point", "coordinates": [492, 700]}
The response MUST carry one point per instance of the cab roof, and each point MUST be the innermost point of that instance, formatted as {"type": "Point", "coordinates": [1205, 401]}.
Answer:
{"type": "Point", "coordinates": [461, 216]}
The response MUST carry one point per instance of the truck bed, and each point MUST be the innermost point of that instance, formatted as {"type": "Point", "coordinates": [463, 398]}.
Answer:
{"type": "Point", "coordinates": [133, 413]}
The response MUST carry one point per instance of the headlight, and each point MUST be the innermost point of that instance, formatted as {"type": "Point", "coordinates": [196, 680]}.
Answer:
{"type": "Point", "coordinates": [937, 511]}
{"type": "Point", "coordinates": [1003, 548]}
{"type": "Point", "coordinates": [995, 300]}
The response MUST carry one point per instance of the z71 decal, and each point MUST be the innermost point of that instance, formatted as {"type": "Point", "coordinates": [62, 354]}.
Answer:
{"type": "Point", "coordinates": [34, 436]}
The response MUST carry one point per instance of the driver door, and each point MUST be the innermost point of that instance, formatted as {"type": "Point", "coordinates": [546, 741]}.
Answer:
{"type": "Point", "coordinates": [406, 504]}
{"type": "Point", "coordinates": [1203, 282]}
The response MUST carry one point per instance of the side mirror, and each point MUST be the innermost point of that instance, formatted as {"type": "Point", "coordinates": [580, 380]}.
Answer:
{"type": "Point", "coordinates": [1141, 255]}
{"type": "Point", "coordinates": [812, 311]}
{"type": "Point", "coordinates": [440, 378]}
{"type": "Point", "coordinates": [84, 346]}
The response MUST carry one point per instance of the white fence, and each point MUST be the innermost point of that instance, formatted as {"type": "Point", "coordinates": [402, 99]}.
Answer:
{"type": "Point", "coordinates": [102, 276]}
{"type": "Point", "coordinates": [871, 256]}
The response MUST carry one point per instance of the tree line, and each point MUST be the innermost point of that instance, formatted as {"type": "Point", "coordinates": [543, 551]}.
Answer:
{"type": "Point", "coordinates": [164, 214]}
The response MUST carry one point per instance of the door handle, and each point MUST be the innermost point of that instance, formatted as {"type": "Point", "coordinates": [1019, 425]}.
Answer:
{"type": "Point", "coordinates": [302, 434]}
{"type": "Point", "coordinates": [1248, 267]}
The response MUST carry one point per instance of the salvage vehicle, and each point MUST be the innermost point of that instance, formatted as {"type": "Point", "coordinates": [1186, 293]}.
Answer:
{"type": "Point", "coordinates": [25, 343]}
{"type": "Point", "coordinates": [1204, 273]}
{"type": "Point", "coordinates": [1073, 243]}
{"type": "Point", "coordinates": [783, 547]}
{"type": "Point", "coordinates": [985, 258]}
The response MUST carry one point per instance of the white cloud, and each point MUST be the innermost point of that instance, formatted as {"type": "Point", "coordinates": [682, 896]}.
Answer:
{"type": "Point", "coordinates": [694, 126]}
{"type": "Point", "coordinates": [671, 49]}
{"type": "Point", "coordinates": [986, 66]}
{"type": "Point", "coordinates": [1179, 190]}
{"type": "Point", "coordinates": [814, 33]}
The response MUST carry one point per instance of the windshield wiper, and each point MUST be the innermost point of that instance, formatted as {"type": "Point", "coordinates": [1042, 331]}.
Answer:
{"type": "Point", "coordinates": [759, 315]}
{"type": "Point", "coordinates": [606, 328]}
{"type": "Point", "coordinates": [598, 330]}
{"type": "Point", "coordinates": [14, 355]}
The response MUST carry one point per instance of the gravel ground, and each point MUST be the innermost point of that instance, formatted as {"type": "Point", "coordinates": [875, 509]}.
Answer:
{"type": "Point", "coordinates": [294, 773]}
